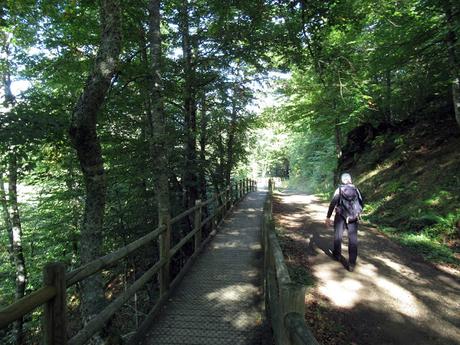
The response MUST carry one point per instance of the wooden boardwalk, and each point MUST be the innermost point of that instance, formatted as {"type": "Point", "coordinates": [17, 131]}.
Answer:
{"type": "Point", "coordinates": [219, 300]}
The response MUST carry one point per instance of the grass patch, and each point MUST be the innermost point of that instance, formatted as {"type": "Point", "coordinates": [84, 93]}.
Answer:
{"type": "Point", "coordinates": [423, 245]}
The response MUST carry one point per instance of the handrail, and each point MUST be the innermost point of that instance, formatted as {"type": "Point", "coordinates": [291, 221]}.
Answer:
{"type": "Point", "coordinates": [94, 266]}
{"type": "Point", "coordinates": [99, 321]}
{"type": "Point", "coordinates": [26, 304]}
{"type": "Point", "coordinates": [284, 300]}
{"type": "Point", "coordinates": [52, 295]}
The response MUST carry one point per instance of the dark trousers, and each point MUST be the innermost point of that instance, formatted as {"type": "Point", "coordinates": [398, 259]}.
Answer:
{"type": "Point", "coordinates": [352, 229]}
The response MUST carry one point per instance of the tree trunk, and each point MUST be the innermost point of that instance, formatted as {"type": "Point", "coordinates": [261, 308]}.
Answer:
{"type": "Point", "coordinates": [9, 100]}
{"type": "Point", "coordinates": [337, 132]}
{"type": "Point", "coordinates": [190, 178]}
{"type": "Point", "coordinates": [158, 139]}
{"type": "Point", "coordinates": [231, 137]}
{"type": "Point", "coordinates": [203, 142]}
{"type": "Point", "coordinates": [453, 20]}
{"type": "Point", "coordinates": [6, 217]}
{"type": "Point", "coordinates": [86, 142]}
{"type": "Point", "coordinates": [10, 207]}
{"type": "Point", "coordinates": [12, 221]}
{"type": "Point", "coordinates": [20, 264]}
{"type": "Point", "coordinates": [388, 108]}
{"type": "Point", "coordinates": [72, 188]}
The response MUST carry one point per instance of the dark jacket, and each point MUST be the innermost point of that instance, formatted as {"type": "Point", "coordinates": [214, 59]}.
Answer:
{"type": "Point", "coordinates": [336, 198]}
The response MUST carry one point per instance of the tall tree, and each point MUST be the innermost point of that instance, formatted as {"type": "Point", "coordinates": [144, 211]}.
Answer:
{"type": "Point", "coordinates": [189, 94]}
{"type": "Point", "coordinates": [158, 138]}
{"type": "Point", "coordinates": [87, 144]}
{"type": "Point", "coordinates": [12, 217]}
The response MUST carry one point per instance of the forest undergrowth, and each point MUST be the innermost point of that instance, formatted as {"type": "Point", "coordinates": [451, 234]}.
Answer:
{"type": "Point", "coordinates": [410, 180]}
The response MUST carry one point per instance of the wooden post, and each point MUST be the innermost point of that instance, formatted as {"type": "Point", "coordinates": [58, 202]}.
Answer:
{"type": "Point", "coordinates": [292, 301]}
{"type": "Point", "coordinates": [198, 234]}
{"type": "Point", "coordinates": [241, 189]}
{"type": "Point", "coordinates": [55, 313]}
{"type": "Point", "coordinates": [165, 244]}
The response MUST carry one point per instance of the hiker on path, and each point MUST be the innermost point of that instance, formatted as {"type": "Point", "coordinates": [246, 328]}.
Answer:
{"type": "Point", "coordinates": [348, 205]}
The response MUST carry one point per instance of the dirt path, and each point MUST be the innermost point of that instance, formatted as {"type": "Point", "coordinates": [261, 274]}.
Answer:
{"type": "Point", "coordinates": [392, 297]}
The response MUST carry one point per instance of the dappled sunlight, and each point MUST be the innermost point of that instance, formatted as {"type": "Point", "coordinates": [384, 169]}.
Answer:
{"type": "Point", "coordinates": [368, 270]}
{"type": "Point", "coordinates": [401, 299]}
{"type": "Point", "coordinates": [343, 294]}
{"type": "Point", "coordinates": [379, 169]}
{"type": "Point", "coordinates": [397, 266]}
{"type": "Point", "coordinates": [346, 290]}
{"type": "Point", "coordinates": [388, 288]}
{"type": "Point", "coordinates": [297, 199]}
{"type": "Point", "coordinates": [232, 293]}
{"type": "Point", "coordinates": [244, 320]}
{"type": "Point", "coordinates": [219, 300]}
{"type": "Point", "coordinates": [236, 244]}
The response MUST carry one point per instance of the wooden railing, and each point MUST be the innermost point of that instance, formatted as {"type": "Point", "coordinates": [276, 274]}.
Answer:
{"type": "Point", "coordinates": [284, 299]}
{"type": "Point", "coordinates": [53, 294]}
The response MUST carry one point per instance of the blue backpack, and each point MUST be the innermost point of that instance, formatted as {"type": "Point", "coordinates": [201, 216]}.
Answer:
{"type": "Point", "coordinates": [350, 203]}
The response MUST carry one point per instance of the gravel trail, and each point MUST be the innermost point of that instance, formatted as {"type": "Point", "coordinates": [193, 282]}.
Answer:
{"type": "Point", "coordinates": [392, 297]}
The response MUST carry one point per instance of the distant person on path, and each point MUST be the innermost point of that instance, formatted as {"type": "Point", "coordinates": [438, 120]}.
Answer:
{"type": "Point", "coordinates": [348, 205]}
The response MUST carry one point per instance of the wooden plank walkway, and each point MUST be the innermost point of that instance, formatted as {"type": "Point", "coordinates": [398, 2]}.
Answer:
{"type": "Point", "coordinates": [219, 300]}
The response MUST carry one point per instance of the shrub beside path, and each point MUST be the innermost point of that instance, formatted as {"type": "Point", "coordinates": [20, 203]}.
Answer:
{"type": "Point", "coordinates": [392, 297]}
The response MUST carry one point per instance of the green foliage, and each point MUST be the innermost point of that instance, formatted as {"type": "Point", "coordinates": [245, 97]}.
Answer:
{"type": "Point", "coordinates": [313, 162]}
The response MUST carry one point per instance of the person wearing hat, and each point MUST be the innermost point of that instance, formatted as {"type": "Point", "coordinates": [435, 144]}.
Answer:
{"type": "Point", "coordinates": [348, 205]}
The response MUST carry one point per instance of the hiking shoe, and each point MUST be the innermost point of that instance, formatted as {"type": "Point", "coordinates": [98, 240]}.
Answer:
{"type": "Point", "coordinates": [351, 267]}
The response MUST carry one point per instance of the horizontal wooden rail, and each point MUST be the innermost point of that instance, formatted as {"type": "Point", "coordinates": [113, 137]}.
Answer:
{"type": "Point", "coordinates": [181, 243]}
{"type": "Point", "coordinates": [183, 214]}
{"type": "Point", "coordinates": [54, 292]}
{"type": "Point", "coordinates": [96, 265]}
{"type": "Point", "coordinates": [26, 304]}
{"type": "Point", "coordinates": [99, 321]}
{"type": "Point", "coordinates": [284, 300]}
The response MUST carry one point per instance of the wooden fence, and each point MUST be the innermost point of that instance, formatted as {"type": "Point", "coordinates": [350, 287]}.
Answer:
{"type": "Point", "coordinates": [56, 281]}
{"type": "Point", "coordinates": [284, 299]}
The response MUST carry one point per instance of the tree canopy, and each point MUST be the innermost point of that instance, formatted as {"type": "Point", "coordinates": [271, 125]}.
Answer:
{"type": "Point", "coordinates": [137, 107]}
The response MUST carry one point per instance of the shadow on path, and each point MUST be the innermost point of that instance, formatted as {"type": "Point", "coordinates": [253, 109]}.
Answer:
{"type": "Point", "coordinates": [219, 300]}
{"type": "Point", "coordinates": [392, 297]}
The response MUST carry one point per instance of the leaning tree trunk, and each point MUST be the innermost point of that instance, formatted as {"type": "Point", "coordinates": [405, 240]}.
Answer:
{"type": "Point", "coordinates": [86, 142]}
